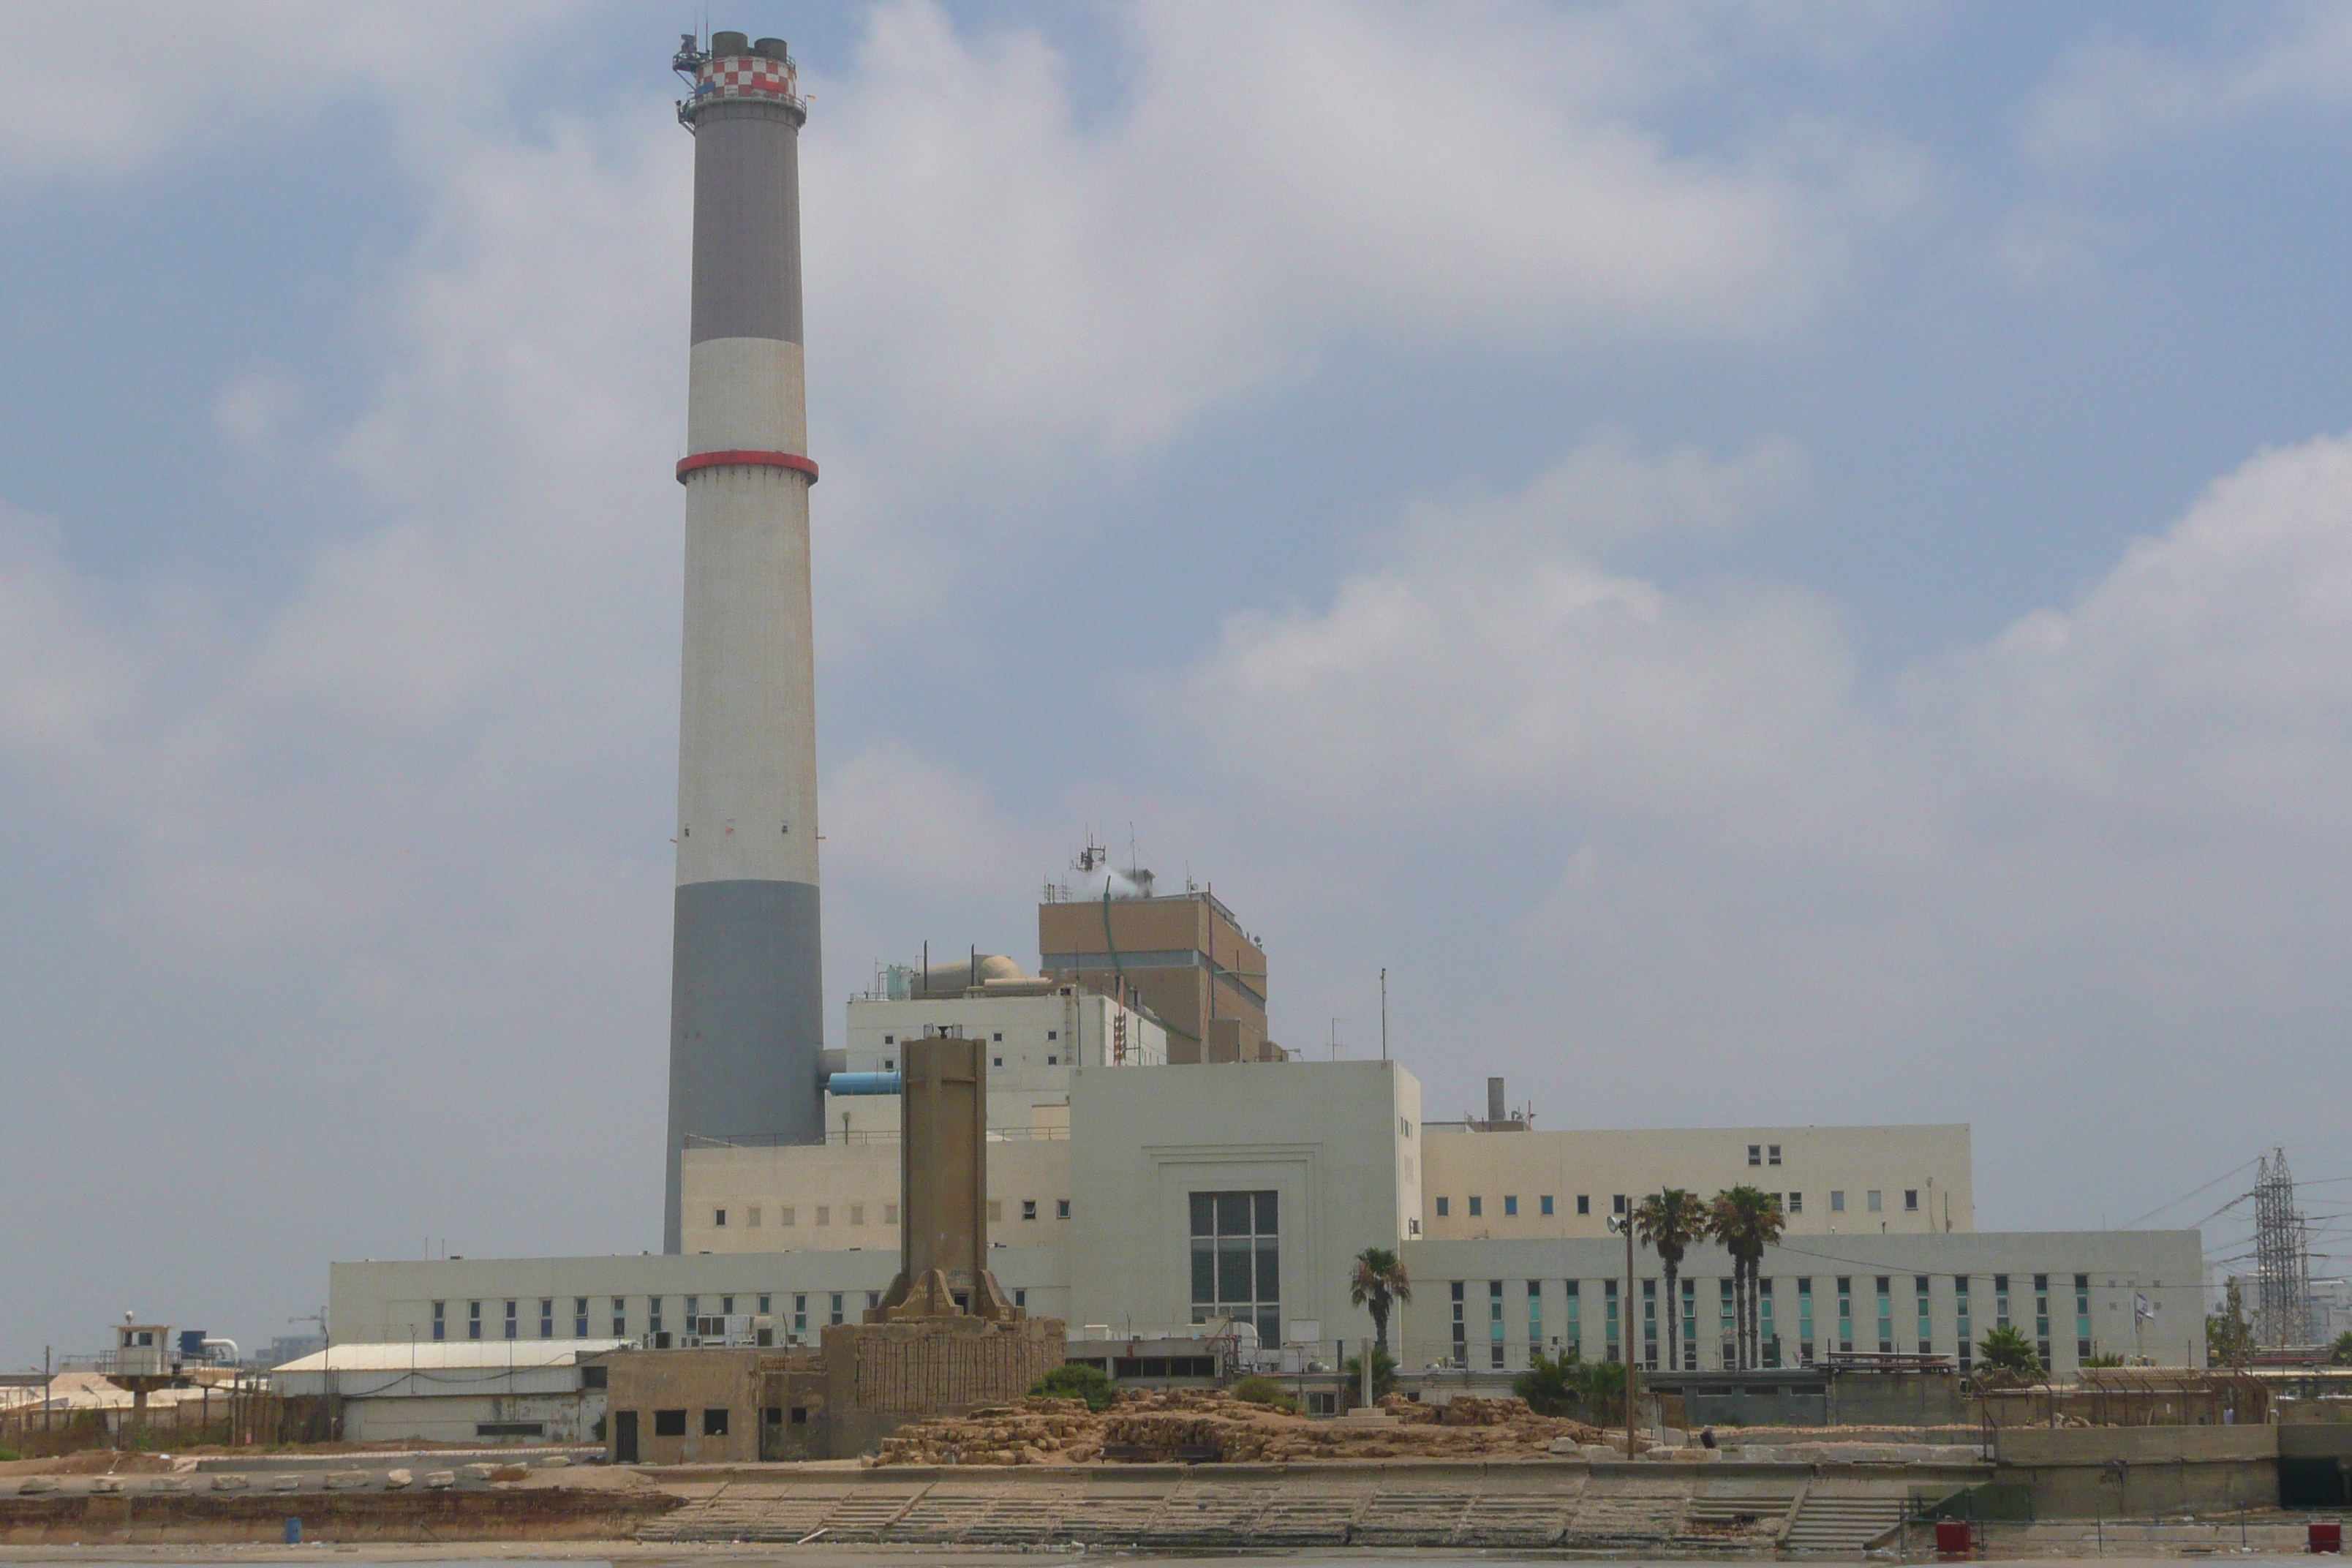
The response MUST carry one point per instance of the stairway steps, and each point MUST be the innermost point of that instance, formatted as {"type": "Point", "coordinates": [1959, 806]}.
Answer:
{"type": "Point", "coordinates": [863, 1516]}
{"type": "Point", "coordinates": [1115, 1518]}
{"type": "Point", "coordinates": [1840, 1523]}
{"type": "Point", "coordinates": [1290, 1520]}
{"type": "Point", "coordinates": [1412, 1519]}
{"type": "Point", "coordinates": [1514, 1519]}
{"type": "Point", "coordinates": [742, 1517]}
{"type": "Point", "coordinates": [1022, 1518]}
{"type": "Point", "coordinates": [1207, 1515]}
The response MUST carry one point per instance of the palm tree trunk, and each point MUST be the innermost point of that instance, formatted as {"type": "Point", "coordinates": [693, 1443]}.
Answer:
{"type": "Point", "coordinates": [1673, 1316]}
{"type": "Point", "coordinates": [1739, 1314]}
{"type": "Point", "coordinates": [1740, 1308]}
{"type": "Point", "coordinates": [1754, 1337]}
{"type": "Point", "coordinates": [1739, 1267]}
{"type": "Point", "coordinates": [1752, 1324]}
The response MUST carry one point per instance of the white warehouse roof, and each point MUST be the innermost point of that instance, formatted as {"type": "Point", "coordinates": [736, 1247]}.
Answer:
{"type": "Point", "coordinates": [442, 1367]}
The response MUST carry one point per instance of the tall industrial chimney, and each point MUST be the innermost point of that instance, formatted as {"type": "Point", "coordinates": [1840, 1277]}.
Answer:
{"type": "Point", "coordinates": [746, 1007]}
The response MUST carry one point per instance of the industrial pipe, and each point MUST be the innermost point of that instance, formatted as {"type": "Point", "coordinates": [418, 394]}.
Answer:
{"type": "Point", "coordinates": [862, 1083]}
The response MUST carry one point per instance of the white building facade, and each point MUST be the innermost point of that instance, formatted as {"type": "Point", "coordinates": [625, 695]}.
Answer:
{"type": "Point", "coordinates": [1130, 1196]}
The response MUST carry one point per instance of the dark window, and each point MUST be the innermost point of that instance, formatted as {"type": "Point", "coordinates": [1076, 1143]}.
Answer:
{"type": "Point", "coordinates": [595, 1376]}
{"type": "Point", "coordinates": [1547, 1203]}
{"type": "Point", "coordinates": [1511, 1207]}
{"type": "Point", "coordinates": [670, 1423]}
{"type": "Point", "coordinates": [714, 1423]}
{"type": "Point", "coordinates": [1443, 1207]}
{"type": "Point", "coordinates": [1584, 1203]}
{"type": "Point", "coordinates": [1477, 1207]}
{"type": "Point", "coordinates": [799, 1415]}
{"type": "Point", "coordinates": [509, 1428]}
{"type": "Point", "coordinates": [1236, 1260]}
{"type": "Point", "coordinates": [1061, 1208]}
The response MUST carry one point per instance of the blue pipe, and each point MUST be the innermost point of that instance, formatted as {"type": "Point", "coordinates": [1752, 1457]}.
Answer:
{"type": "Point", "coordinates": [862, 1083]}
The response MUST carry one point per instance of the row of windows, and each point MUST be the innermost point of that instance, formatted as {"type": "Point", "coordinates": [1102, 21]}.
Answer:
{"type": "Point", "coordinates": [996, 1060]}
{"type": "Point", "coordinates": [1873, 1201]}
{"type": "Point", "coordinates": [855, 1213]}
{"type": "Point", "coordinates": [1053, 1058]}
{"type": "Point", "coordinates": [1835, 1323]}
{"type": "Point", "coordinates": [997, 1039]}
{"type": "Point", "coordinates": [832, 1307]}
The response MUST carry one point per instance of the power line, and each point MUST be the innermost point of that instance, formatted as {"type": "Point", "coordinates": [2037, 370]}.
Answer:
{"type": "Point", "coordinates": [2184, 1197]}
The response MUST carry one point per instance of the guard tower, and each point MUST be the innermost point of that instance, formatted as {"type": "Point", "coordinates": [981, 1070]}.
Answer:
{"type": "Point", "coordinates": [146, 1358]}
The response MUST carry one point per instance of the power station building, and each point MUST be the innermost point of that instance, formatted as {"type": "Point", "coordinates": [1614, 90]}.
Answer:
{"type": "Point", "coordinates": [1156, 1164]}
{"type": "Point", "coordinates": [1136, 1195]}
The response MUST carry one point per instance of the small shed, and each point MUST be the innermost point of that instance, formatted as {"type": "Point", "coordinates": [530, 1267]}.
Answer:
{"type": "Point", "coordinates": [492, 1390]}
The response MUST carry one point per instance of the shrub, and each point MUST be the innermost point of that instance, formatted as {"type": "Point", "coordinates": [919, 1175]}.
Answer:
{"type": "Point", "coordinates": [1265, 1391]}
{"type": "Point", "coordinates": [1563, 1385]}
{"type": "Point", "coordinates": [1073, 1382]}
{"type": "Point", "coordinates": [9, 1455]}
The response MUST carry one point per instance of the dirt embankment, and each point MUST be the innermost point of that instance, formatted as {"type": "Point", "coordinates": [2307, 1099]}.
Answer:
{"type": "Point", "coordinates": [1200, 1426]}
{"type": "Point", "coordinates": [91, 1462]}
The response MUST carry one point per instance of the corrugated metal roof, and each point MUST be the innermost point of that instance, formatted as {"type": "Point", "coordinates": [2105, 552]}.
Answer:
{"type": "Point", "coordinates": [450, 1355]}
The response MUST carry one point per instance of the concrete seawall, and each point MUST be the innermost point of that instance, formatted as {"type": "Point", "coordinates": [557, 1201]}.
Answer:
{"type": "Point", "coordinates": [2120, 1472]}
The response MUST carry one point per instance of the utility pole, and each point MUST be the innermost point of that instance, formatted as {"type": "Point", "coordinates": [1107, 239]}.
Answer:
{"type": "Point", "coordinates": [1632, 1375]}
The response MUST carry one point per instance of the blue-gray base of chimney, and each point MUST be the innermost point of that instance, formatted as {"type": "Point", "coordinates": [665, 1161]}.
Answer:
{"type": "Point", "coordinates": [747, 1021]}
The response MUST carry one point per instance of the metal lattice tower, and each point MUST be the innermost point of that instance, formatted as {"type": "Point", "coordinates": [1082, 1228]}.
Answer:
{"type": "Point", "coordinates": [2282, 1257]}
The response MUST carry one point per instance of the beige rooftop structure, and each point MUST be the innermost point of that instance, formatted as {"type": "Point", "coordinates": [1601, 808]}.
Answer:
{"type": "Point", "coordinates": [1184, 955]}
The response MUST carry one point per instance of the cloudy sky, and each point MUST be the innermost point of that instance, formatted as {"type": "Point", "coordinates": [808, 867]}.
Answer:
{"type": "Point", "coordinates": [1771, 563]}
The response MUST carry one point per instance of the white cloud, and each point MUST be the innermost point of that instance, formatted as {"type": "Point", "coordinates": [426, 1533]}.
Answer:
{"type": "Point", "coordinates": [1673, 821]}
{"type": "Point", "coordinates": [255, 408]}
{"type": "Point", "coordinates": [2117, 94]}
{"type": "Point", "coordinates": [1490, 652]}
{"type": "Point", "coordinates": [1005, 279]}
{"type": "Point", "coordinates": [104, 89]}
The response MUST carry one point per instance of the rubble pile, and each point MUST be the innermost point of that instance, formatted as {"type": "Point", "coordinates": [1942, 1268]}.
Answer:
{"type": "Point", "coordinates": [1212, 1426]}
{"type": "Point", "coordinates": [1034, 1431]}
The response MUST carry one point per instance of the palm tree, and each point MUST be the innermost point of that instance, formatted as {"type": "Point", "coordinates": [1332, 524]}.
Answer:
{"type": "Point", "coordinates": [2006, 1359]}
{"type": "Point", "coordinates": [1745, 1220]}
{"type": "Point", "coordinates": [1669, 1221]}
{"type": "Point", "coordinates": [1377, 1282]}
